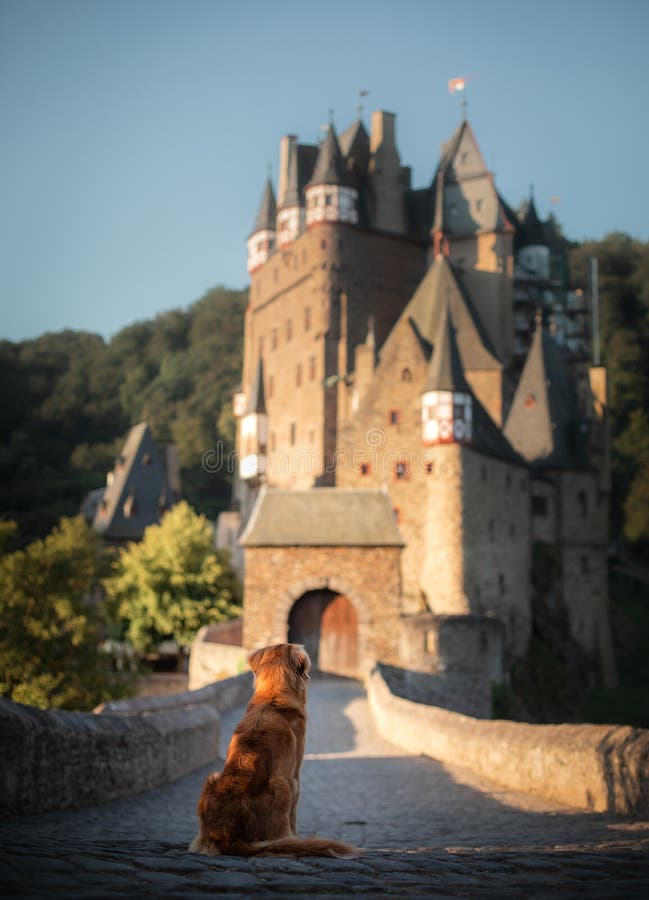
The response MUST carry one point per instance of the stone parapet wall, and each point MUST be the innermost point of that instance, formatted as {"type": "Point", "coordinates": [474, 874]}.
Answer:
{"type": "Point", "coordinates": [210, 661]}
{"type": "Point", "coordinates": [601, 768]}
{"type": "Point", "coordinates": [55, 759]}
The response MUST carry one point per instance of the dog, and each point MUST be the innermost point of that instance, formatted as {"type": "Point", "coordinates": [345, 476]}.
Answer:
{"type": "Point", "coordinates": [250, 808]}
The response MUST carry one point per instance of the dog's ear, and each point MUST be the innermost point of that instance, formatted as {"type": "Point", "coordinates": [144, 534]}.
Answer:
{"type": "Point", "coordinates": [254, 660]}
{"type": "Point", "coordinates": [300, 660]}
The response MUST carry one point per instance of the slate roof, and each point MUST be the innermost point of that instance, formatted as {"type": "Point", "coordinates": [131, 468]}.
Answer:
{"type": "Point", "coordinates": [439, 286]}
{"type": "Point", "coordinates": [354, 145]}
{"type": "Point", "coordinates": [265, 220]}
{"type": "Point", "coordinates": [257, 400]}
{"type": "Point", "coordinates": [322, 517]}
{"type": "Point", "coordinates": [330, 166]}
{"type": "Point", "coordinates": [533, 231]}
{"type": "Point", "coordinates": [445, 372]}
{"type": "Point", "coordinates": [139, 490]}
{"type": "Point", "coordinates": [544, 423]}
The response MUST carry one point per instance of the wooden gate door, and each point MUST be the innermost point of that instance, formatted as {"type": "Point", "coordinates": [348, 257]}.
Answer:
{"type": "Point", "coordinates": [327, 625]}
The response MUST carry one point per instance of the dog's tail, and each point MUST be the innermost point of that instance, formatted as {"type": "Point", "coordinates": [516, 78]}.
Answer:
{"type": "Point", "coordinates": [315, 846]}
{"type": "Point", "coordinates": [288, 846]}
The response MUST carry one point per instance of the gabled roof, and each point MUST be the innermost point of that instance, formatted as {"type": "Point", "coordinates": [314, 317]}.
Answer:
{"type": "Point", "coordinates": [265, 220]}
{"type": "Point", "coordinates": [322, 517]}
{"type": "Point", "coordinates": [445, 372]}
{"type": "Point", "coordinates": [330, 167]}
{"type": "Point", "coordinates": [355, 146]}
{"type": "Point", "coordinates": [257, 400]}
{"type": "Point", "coordinates": [544, 422]}
{"type": "Point", "coordinates": [138, 492]}
{"type": "Point", "coordinates": [439, 286]}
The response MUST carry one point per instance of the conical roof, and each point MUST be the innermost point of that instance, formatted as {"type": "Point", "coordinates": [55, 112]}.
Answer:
{"type": "Point", "coordinates": [355, 147]}
{"type": "Point", "coordinates": [533, 231]}
{"type": "Point", "coordinates": [544, 422]}
{"type": "Point", "coordinates": [330, 167]}
{"type": "Point", "coordinates": [292, 192]}
{"type": "Point", "coordinates": [265, 220]}
{"type": "Point", "coordinates": [445, 372]}
{"type": "Point", "coordinates": [257, 400]}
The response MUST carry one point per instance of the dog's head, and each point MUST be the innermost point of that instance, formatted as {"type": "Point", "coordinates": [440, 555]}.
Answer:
{"type": "Point", "coordinates": [282, 667]}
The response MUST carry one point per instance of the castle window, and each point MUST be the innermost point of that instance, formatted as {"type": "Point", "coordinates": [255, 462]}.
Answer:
{"type": "Point", "coordinates": [394, 416]}
{"type": "Point", "coordinates": [307, 318]}
{"type": "Point", "coordinates": [292, 431]}
{"type": "Point", "coordinates": [273, 343]}
{"type": "Point", "coordinates": [401, 469]}
{"type": "Point", "coordinates": [289, 329]}
{"type": "Point", "coordinates": [366, 468]}
{"type": "Point", "coordinates": [539, 506]}
{"type": "Point", "coordinates": [406, 375]}
{"type": "Point", "coordinates": [429, 467]}
{"type": "Point", "coordinates": [271, 385]}
{"type": "Point", "coordinates": [328, 199]}
{"type": "Point", "coordinates": [298, 375]}
{"type": "Point", "coordinates": [478, 204]}
{"type": "Point", "coordinates": [397, 515]}
{"type": "Point", "coordinates": [582, 499]}
{"type": "Point", "coordinates": [312, 368]}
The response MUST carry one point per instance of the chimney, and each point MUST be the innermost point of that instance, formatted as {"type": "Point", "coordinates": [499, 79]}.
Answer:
{"type": "Point", "coordinates": [287, 147]}
{"type": "Point", "coordinates": [385, 175]}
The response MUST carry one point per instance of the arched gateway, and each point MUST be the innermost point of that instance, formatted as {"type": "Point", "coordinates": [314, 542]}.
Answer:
{"type": "Point", "coordinates": [327, 624]}
{"type": "Point", "coordinates": [322, 568]}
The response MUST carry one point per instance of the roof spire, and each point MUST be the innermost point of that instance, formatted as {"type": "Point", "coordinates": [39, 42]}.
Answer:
{"type": "Point", "coordinates": [360, 105]}
{"type": "Point", "coordinates": [257, 399]}
{"type": "Point", "coordinates": [265, 220]}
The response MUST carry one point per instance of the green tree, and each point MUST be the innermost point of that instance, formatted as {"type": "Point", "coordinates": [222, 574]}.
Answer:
{"type": "Point", "coordinates": [173, 582]}
{"type": "Point", "coordinates": [50, 624]}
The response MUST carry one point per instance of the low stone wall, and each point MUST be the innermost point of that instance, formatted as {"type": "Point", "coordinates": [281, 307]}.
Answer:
{"type": "Point", "coordinates": [54, 759]}
{"type": "Point", "coordinates": [211, 660]}
{"type": "Point", "coordinates": [602, 768]}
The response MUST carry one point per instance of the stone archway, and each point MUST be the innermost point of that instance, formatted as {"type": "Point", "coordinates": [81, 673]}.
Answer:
{"type": "Point", "coordinates": [326, 623]}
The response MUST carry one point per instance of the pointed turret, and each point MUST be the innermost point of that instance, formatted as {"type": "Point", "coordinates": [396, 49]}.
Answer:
{"type": "Point", "coordinates": [254, 430]}
{"type": "Point", "coordinates": [329, 198]}
{"type": "Point", "coordinates": [261, 242]}
{"type": "Point", "coordinates": [544, 424]}
{"type": "Point", "coordinates": [447, 400]}
{"type": "Point", "coordinates": [355, 147]}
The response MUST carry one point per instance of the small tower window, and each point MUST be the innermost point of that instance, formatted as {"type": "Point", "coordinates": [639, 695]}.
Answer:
{"type": "Point", "coordinates": [429, 466]}
{"type": "Point", "coordinates": [289, 329]}
{"type": "Point", "coordinates": [401, 469]}
{"type": "Point", "coordinates": [394, 416]}
{"type": "Point", "coordinates": [406, 375]}
{"type": "Point", "coordinates": [307, 318]}
{"type": "Point", "coordinates": [366, 468]}
{"type": "Point", "coordinates": [328, 199]}
{"type": "Point", "coordinates": [312, 368]}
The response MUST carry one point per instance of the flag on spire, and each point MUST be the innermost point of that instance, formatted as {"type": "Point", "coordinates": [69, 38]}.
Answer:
{"type": "Point", "coordinates": [456, 84]}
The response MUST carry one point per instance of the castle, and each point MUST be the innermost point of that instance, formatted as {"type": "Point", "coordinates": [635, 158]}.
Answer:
{"type": "Point", "coordinates": [417, 417]}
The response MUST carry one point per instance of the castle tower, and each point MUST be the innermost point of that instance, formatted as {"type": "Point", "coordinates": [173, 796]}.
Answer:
{"type": "Point", "coordinates": [254, 432]}
{"type": "Point", "coordinates": [261, 242]}
{"type": "Point", "coordinates": [290, 215]}
{"type": "Point", "coordinates": [329, 196]}
{"type": "Point", "coordinates": [473, 220]}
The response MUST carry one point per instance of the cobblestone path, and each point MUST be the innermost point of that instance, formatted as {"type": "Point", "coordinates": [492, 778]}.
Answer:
{"type": "Point", "coordinates": [428, 831]}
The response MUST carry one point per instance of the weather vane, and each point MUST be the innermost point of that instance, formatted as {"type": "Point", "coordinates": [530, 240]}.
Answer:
{"type": "Point", "coordinates": [360, 105]}
{"type": "Point", "coordinates": [459, 84]}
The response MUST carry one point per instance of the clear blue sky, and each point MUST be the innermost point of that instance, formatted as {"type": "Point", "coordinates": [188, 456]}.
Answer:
{"type": "Point", "coordinates": [136, 134]}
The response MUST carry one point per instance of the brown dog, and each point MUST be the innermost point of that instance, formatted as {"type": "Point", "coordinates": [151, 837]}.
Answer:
{"type": "Point", "coordinates": [250, 808]}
